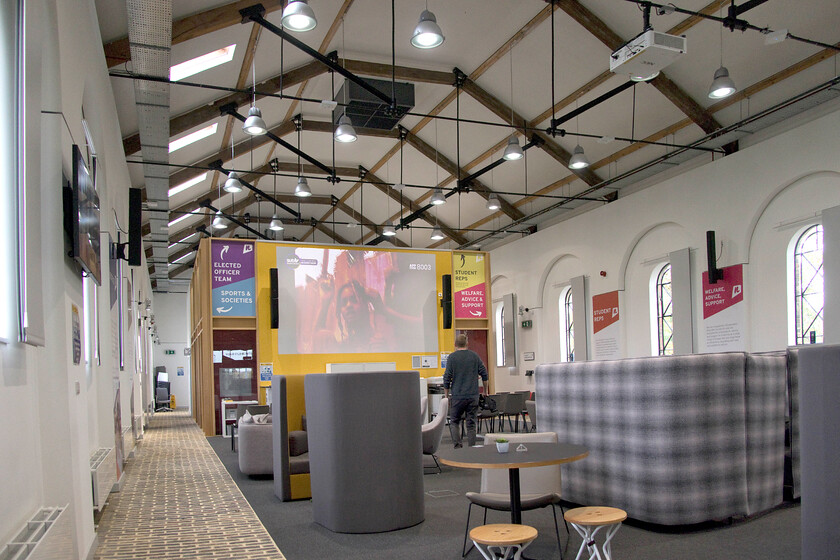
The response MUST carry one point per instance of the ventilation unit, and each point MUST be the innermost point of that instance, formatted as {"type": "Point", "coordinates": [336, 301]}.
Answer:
{"type": "Point", "coordinates": [647, 54]}
{"type": "Point", "coordinates": [368, 111]}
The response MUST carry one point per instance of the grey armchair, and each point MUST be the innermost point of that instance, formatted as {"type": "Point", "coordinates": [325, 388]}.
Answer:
{"type": "Point", "coordinates": [432, 434]}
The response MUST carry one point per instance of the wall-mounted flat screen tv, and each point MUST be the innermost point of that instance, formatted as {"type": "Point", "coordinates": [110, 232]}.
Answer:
{"type": "Point", "coordinates": [81, 215]}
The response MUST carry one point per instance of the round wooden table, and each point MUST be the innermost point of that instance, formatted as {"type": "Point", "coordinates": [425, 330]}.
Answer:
{"type": "Point", "coordinates": [537, 455]}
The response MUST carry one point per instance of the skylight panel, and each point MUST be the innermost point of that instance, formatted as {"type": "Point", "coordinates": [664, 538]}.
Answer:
{"type": "Point", "coordinates": [187, 184]}
{"type": "Point", "coordinates": [193, 137]}
{"type": "Point", "coordinates": [201, 63]}
{"type": "Point", "coordinates": [181, 219]}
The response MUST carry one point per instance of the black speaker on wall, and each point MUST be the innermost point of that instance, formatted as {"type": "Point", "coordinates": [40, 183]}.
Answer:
{"type": "Point", "coordinates": [446, 300]}
{"type": "Point", "coordinates": [715, 273]}
{"type": "Point", "coordinates": [275, 317]}
{"type": "Point", "coordinates": [135, 227]}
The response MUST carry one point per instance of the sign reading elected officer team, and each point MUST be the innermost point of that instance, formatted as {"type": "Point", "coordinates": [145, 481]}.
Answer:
{"type": "Point", "coordinates": [233, 282]}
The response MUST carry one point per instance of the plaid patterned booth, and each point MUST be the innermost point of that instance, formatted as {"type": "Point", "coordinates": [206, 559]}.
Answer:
{"type": "Point", "coordinates": [673, 439]}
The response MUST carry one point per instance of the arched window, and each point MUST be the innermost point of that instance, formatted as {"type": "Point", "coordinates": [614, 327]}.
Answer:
{"type": "Point", "coordinates": [499, 317]}
{"type": "Point", "coordinates": [662, 311]}
{"type": "Point", "coordinates": [808, 296]}
{"type": "Point", "coordinates": [567, 326]}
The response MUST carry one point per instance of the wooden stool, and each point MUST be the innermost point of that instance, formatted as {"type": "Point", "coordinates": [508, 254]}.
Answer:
{"type": "Point", "coordinates": [589, 520]}
{"type": "Point", "coordinates": [504, 537]}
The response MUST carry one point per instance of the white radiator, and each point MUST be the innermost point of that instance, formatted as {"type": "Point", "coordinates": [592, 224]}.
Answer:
{"type": "Point", "coordinates": [47, 536]}
{"type": "Point", "coordinates": [103, 474]}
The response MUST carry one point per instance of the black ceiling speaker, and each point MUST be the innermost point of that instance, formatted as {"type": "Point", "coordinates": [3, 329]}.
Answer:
{"type": "Point", "coordinates": [135, 227]}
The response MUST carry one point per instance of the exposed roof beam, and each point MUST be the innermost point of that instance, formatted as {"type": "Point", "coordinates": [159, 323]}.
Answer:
{"type": "Point", "coordinates": [445, 163]}
{"type": "Point", "coordinates": [191, 27]}
{"type": "Point", "coordinates": [548, 145]}
{"type": "Point", "coordinates": [205, 113]}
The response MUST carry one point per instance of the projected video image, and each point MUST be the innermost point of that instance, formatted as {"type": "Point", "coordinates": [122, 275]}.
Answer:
{"type": "Point", "coordinates": [333, 301]}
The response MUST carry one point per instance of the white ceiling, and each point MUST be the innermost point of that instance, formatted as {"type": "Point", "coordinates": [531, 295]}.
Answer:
{"type": "Point", "coordinates": [475, 30]}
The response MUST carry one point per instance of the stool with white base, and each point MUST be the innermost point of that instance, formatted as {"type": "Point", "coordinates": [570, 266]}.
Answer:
{"type": "Point", "coordinates": [504, 538]}
{"type": "Point", "coordinates": [588, 521]}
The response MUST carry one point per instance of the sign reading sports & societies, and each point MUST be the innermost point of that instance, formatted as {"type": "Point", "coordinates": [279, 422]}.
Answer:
{"type": "Point", "coordinates": [606, 326]}
{"type": "Point", "coordinates": [469, 287]}
{"type": "Point", "coordinates": [724, 310]}
{"type": "Point", "coordinates": [234, 284]}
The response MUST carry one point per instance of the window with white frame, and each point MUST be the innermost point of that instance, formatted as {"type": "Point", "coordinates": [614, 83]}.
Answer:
{"type": "Point", "coordinates": [661, 309]}
{"type": "Point", "coordinates": [499, 319]}
{"type": "Point", "coordinates": [808, 295]}
{"type": "Point", "coordinates": [567, 325]}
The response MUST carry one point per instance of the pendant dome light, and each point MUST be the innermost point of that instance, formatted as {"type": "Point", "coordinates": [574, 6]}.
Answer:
{"type": "Point", "coordinates": [276, 224]}
{"type": "Point", "coordinates": [232, 184]}
{"type": "Point", "coordinates": [513, 151]}
{"type": "Point", "coordinates": [578, 159]}
{"type": "Point", "coordinates": [298, 16]}
{"type": "Point", "coordinates": [427, 34]}
{"type": "Point", "coordinates": [437, 234]}
{"type": "Point", "coordinates": [437, 197]}
{"type": "Point", "coordinates": [722, 85]}
{"type": "Point", "coordinates": [302, 188]}
{"type": "Point", "coordinates": [219, 221]}
{"type": "Point", "coordinates": [254, 124]}
{"type": "Point", "coordinates": [344, 132]}
{"type": "Point", "coordinates": [389, 230]}
{"type": "Point", "coordinates": [493, 202]}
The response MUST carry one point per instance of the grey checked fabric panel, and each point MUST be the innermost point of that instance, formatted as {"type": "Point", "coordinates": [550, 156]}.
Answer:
{"type": "Point", "coordinates": [667, 435]}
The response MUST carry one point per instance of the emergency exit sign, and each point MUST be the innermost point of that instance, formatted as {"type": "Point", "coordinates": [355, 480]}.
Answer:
{"type": "Point", "coordinates": [169, 352]}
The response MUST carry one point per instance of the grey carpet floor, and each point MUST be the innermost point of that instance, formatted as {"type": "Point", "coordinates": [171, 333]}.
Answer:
{"type": "Point", "coordinates": [774, 535]}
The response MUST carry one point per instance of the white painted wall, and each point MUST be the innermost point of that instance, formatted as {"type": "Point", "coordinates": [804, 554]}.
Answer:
{"type": "Point", "coordinates": [747, 198]}
{"type": "Point", "coordinates": [56, 413]}
{"type": "Point", "coordinates": [172, 318]}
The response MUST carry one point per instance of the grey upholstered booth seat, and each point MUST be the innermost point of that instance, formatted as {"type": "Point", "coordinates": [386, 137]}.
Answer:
{"type": "Point", "coordinates": [365, 450]}
{"type": "Point", "coordinates": [255, 448]}
{"type": "Point", "coordinates": [672, 439]}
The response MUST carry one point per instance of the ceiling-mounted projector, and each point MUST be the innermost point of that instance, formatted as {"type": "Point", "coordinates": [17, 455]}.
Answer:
{"type": "Point", "coordinates": [643, 57]}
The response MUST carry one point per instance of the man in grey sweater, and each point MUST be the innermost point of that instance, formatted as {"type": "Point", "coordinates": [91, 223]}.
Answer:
{"type": "Point", "coordinates": [463, 370]}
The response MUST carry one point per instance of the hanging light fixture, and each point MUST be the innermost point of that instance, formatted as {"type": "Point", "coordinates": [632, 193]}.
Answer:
{"type": "Point", "coordinates": [513, 151]}
{"type": "Point", "coordinates": [298, 16]}
{"type": "Point", "coordinates": [232, 184]}
{"type": "Point", "coordinates": [578, 159]}
{"type": "Point", "coordinates": [437, 234]}
{"type": "Point", "coordinates": [345, 132]}
{"type": "Point", "coordinates": [219, 221]}
{"type": "Point", "coordinates": [302, 188]}
{"type": "Point", "coordinates": [427, 34]}
{"type": "Point", "coordinates": [389, 230]}
{"type": "Point", "coordinates": [722, 85]}
{"type": "Point", "coordinates": [254, 124]}
{"type": "Point", "coordinates": [437, 197]}
{"type": "Point", "coordinates": [493, 202]}
{"type": "Point", "coordinates": [276, 224]}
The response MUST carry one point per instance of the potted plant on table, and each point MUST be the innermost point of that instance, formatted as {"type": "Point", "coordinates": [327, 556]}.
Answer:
{"type": "Point", "coordinates": [502, 445]}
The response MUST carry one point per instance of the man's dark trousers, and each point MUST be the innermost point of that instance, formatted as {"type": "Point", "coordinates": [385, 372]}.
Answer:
{"type": "Point", "coordinates": [457, 407]}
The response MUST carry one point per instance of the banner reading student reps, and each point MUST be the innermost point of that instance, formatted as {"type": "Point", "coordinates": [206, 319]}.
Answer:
{"type": "Point", "coordinates": [469, 297]}
{"type": "Point", "coordinates": [233, 278]}
{"type": "Point", "coordinates": [606, 326]}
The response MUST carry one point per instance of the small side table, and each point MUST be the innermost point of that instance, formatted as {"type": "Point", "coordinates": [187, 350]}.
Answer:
{"type": "Point", "coordinates": [505, 537]}
{"type": "Point", "coordinates": [587, 521]}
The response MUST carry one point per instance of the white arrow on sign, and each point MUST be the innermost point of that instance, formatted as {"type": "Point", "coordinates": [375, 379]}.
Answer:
{"type": "Point", "coordinates": [475, 313]}
{"type": "Point", "coordinates": [224, 250]}
{"type": "Point", "coordinates": [223, 310]}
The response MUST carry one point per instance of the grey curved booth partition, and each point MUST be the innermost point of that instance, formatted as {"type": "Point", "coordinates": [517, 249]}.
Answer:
{"type": "Point", "coordinates": [365, 450]}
